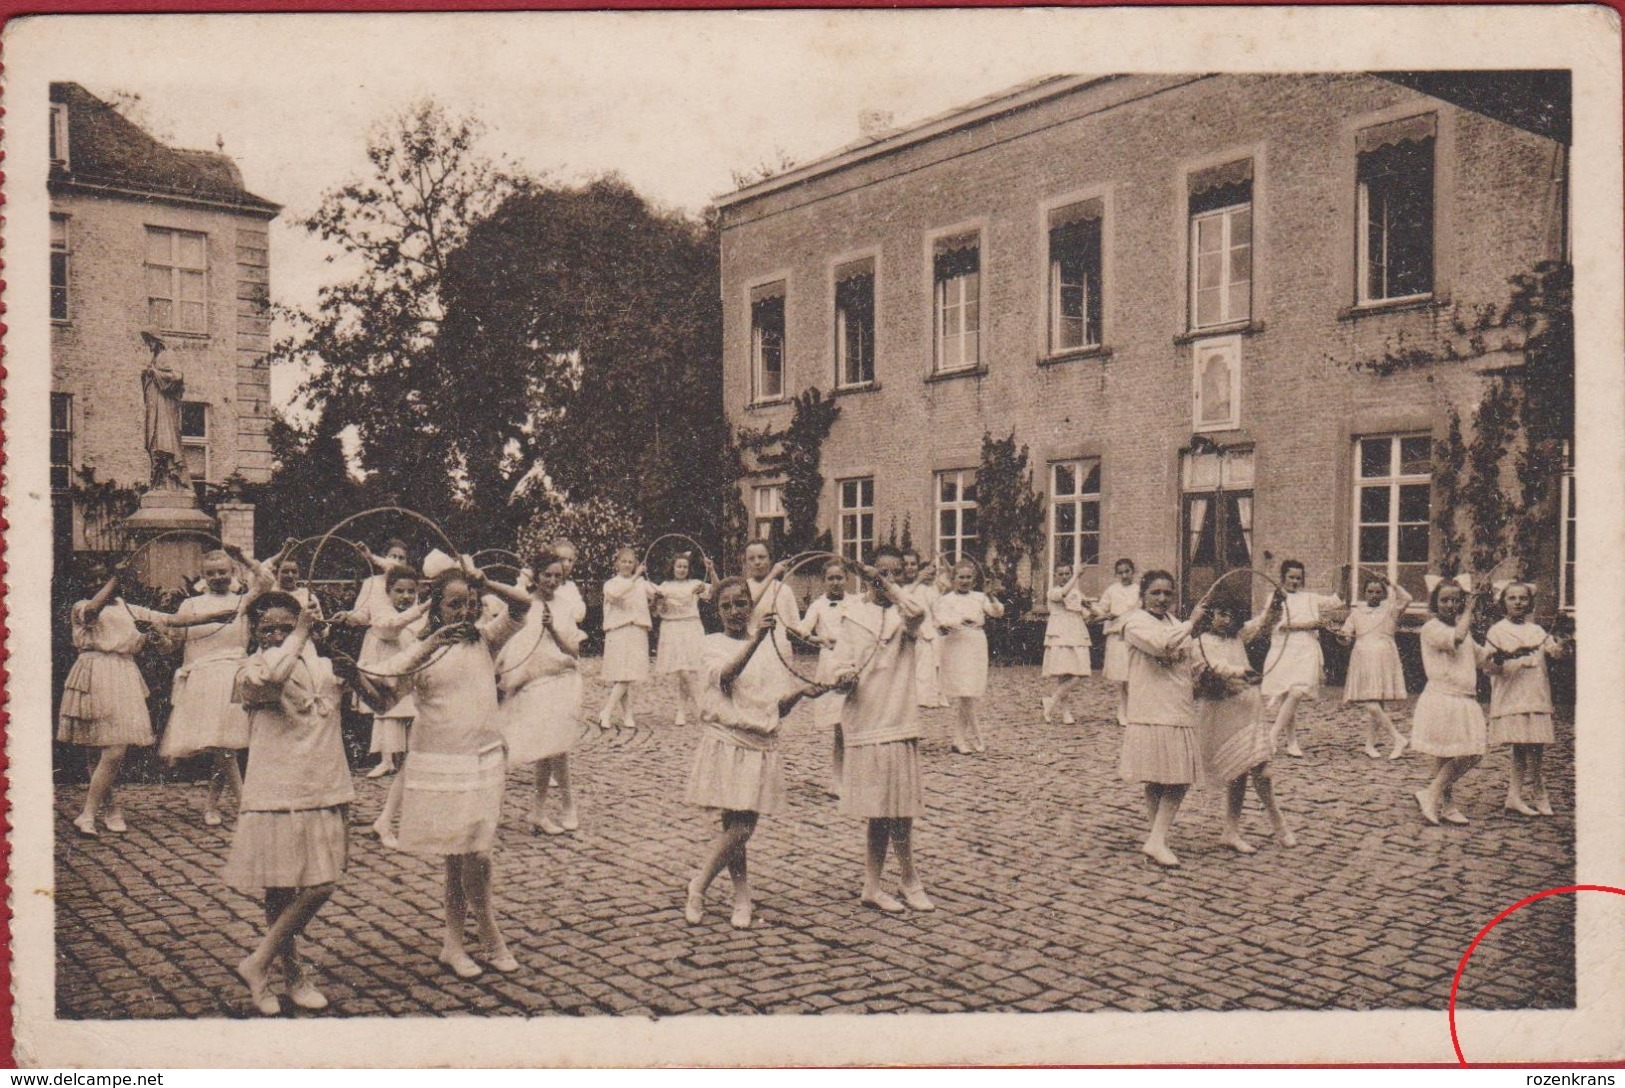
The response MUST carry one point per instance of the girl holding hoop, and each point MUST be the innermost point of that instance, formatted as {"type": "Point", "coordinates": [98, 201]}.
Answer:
{"type": "Point", "coordinates": [454, 769]}
{"type": "Point", "coordinates": [292, 844]}
{"type": "Point", "coordinates": [1066, 640]}
{"type": "Point", "coordinates": [1375, 675]}
{"type": "Point", "coordinates": [1159, 742]}
{"type": "Point", "coordinates": [1521, 697]}
{"type": "Point", "coordinates": [541, 696]}
{"type": "Point", "coordinates": [737, 770]}
{"type": "Point", "coordinates": [1292, 670]}
{"type": "Point", "coordinates": [960, 617]}
{"type": "Point", "coordinates": [626, 635]}
{"type": "Point", "coordinates": [104, 702]}
{"type": "Point", "coordinates": [822, 628]}
{"type": "Point", "coordinates": [373, 600]}
{"type": "Point", "coordinates": [771, 597]}
{"type": "Point", "coordinates": [924, 587]}
{"type": "Point", "coordinates": [1116, 602]}
{"type": "Point", "coordinates": [568, 600]}
{"type": "Point", "coordinates": [392, 725]}
{"type": "Point", "coordinates": [880, 720]}
{"type": "Point", "coordinates": [1448, 723]}
{"type": "Point", "coordinates": [682, 636]}
{"type": "Point", "coordinates": [204, 717]}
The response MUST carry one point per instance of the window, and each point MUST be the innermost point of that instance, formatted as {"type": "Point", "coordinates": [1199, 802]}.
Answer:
{"type": "Point", "coordinates": [195, 440]}
{"type": "Point", "coordinates": [767, 340]}
{"type": "Point", "coordinates": [1395, 245]}
{"type": "Point", "coordinates": [1393, 508]}
{"type": "Point", "coordinates": [61, 441]}
{"type": "Point", "coordinates": [769, 520]}
{"type": "Point", "coordinates": [1074, 513]}
{"type": "Point", "coordinates": [177, 265]}
{"type": "Point", "coordinates": [1216, 384]}
{"type": "Point", "coordinates": [1566, 530]}
{"type": "Point", "coordinates": [956, 513]}
{"type": "Point", "coordinates": [1221, 253]}
{"type": "Point", "coordinates": [855, 323]}
{"type": "Point", "coordinates": [956, 270]}
{"type": "Point", "coordinates": [857, 524]}
{"type": "Point", "coordinates": [59, 134]}
{"type": "Point", "coordinates": [1075, 300]}
{"type": "Point", "coordinates": [59, 268]}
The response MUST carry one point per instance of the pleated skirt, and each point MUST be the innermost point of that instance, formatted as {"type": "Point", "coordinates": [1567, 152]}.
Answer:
{"type": "Point", "coordinates": [452, 802]}
{"type": "Point", "coordinates": [928, 691]}
{"type": "Point", "coordinates": [1115, 667]}
{"type": "Point", "coordinates": [682, 646]}
{"type": "Point", "coordinates": [204, 716]}
{"type": "Point", "coordinates": [104, 703]}
{"type": "Point", "coordinates": [882, 781]}
{"type": "Point", "coordinates": [735, 779]}
{"type": "Point", "coordinates": [1066, 661]}
{"type": "Point", "coordinates": [626, 655]}
{"type": "Point", "coordinates": [1297, 664]}
{"type": "Point", "coordinates": [542, 719]}
{"type": "Point", "coordinates": [1232, 736]}
{"type": "Point", "coordinates": [1374, 673]}
{"type": "Point", "coordinates": [962, 666]}
{"type": "Point", "coordinates": [1448, 725]}
{"type": "Point", "coordinates": [389, 735]}
{"type": "Point", "coordinates": [1533, 728]}
{"type": "Point", "coordinates": [288, 849]}
{"type": "Point", "coordinates": [1164, 754]}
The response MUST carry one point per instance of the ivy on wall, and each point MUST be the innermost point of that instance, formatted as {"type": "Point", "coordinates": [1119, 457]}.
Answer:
{"type": "Point", "coordinates": [794, 454]}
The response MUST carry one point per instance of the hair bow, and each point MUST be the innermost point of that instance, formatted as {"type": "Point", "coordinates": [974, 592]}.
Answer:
{"type": "Point", "coordinates": [1464, 580]}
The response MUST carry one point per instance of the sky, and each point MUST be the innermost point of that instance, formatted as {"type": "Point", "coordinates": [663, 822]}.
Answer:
{"type": "Point", "coordinates": [674, 102]}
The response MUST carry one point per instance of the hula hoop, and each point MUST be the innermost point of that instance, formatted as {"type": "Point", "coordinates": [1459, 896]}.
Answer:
{"type": "Point", "coordinates": [503, 558]}
{"type": "Point", "coordinates": [789, 660]}
{"type": "Point", "coordinates": [705, 560]}
{"type": "Point", "coordinates": [194, 534]}
{"type": "Point", "coordinates": [451, 550]}
{"type": "Point", "coordinates": [1251, 572]}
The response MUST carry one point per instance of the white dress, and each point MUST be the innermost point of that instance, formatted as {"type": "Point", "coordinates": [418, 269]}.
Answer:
{"type": "Point", "coordinates": [626, 630]}
{"type": "Point", "coordinates": [540, 715]}
{"type": "Point", "coordinates": [781, 602]}
{"type": "Point", "coordinates": [1115, 604]}
{"type": "Point", "coordinates": [823, 620]}
{"type": "Point", "coordinates": [1520, 689]}
{"type": "Point", "coordinates": [963, 662]}
{"type": "Point", "coordinates": [682, 635]}
{"type": "Point", "coordinates": [204, 715]}
{"type": "Point", "coordinates": [880, 775]}
{"type": "Point", "coordinates": [387, 636]}
{"type": "Point", "coordinates": [927, 664]}
{"type": "Point", "coordinates": [1295, 660]}
{"type": "Point", "coordinates": [1066, 635]}
{"type": "Point", "coordinates": [1448, 720]}
{"type": "Point", "coordinates": [104, 702]}
{"type": "Point", "coordinates": [1159, 742]}
{"type": "Point", "coordinates": [1374, 669]}
{"type": "Point", "coordinates": [1231, 729]}
{"type": "Point", "coordinates": [737, 764]}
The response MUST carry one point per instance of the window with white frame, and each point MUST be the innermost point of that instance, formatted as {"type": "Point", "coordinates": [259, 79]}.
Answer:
{"type": "Point", "coordinates": [857, 519]}
{"type": "Point", "coordinates": [195, 440]}
{"type": "Point", "coordinates": [59, 134]}
{"type": "Point", "coordinates": [855, 322]}
{"type": "Point", "coordinates": [1393, 508]}
{"type": "Point", "coordinates": [59, 268]}
{"type": "Point", "coordinates": [1216, 384]}
{"type": "Point", "coordinates": [956, 272]}
{"type": "Point", "coordinates": [1076, 299]}
{"type": "Point", "coordinates": [1221, 245]}
{"type": "Point", "coordinates": [177, 280]}
{"type": "Point", "coordinates": [767, 341]}
{"type": "Point", "coordinates": [768, 521]}
{"type": "Point", "coordinates": [956, 513]}
{"type": "Point", "coordinates": [1566, 529]}
{"type": "Point", "coordinates": [1074, 513]}
{"type": "Point", "coordinates": [61, 441]}
{"type": "Point", "coordinates": [1395, 213]}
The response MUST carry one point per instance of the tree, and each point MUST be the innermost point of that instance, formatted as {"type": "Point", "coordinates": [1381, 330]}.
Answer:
{"type": "Point", "coordinates": [1010, 517]}
{"type": "Point", "coordinates": [594, 318]}
{"type": "Point", "coordinates": [369, 344]}
{"type": "Point", "coordinates": [311, 488]}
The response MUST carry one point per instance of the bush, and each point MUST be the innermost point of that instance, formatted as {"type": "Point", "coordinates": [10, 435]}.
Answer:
{"type": "Point", "coordinates": [597, 527]}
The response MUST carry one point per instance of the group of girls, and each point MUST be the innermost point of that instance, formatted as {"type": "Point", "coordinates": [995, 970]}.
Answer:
{"type": "Point", "coordinates": [631, 602]}
{"type": "Point", "coordinates": [1067, 644]}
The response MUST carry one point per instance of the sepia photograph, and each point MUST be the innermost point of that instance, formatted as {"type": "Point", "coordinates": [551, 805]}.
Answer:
{"type": "Point", "coordinates": [725, 538]}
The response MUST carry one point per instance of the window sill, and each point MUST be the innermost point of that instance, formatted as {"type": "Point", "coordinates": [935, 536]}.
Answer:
{"type": "Point", "coordinates": [1234, 328]}
{"type": "Point", "coordinates": [774, 402]}
{"type": "Point", "coordinates": [1075, 355]}
{"type": "Point", "coordinates": [61, 323]}
{"type": "Point", "coordinates": [1411, 304]}
{"type": "Point", "coordinates": [851, 390]}
{"type": "Point", "coordinates": [179, 335]}
{"type": "Point", "coordinates": [950, 375]}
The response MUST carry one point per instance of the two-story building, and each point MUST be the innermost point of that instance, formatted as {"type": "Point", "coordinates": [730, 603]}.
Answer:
{"type": "Point", "coordinates": [1165, 286]}
{"type": "Point", "coordinates": [151, 238]}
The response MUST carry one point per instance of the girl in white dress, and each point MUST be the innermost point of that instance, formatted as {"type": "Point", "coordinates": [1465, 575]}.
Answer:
{"type": "Point", "coordinates": [540, 683]}
{"type": "Point", "coordinates": [373, 600]}
{"type": "Point", "coordinates": [454, 772]}
{"type": "Point", "coordinates": [682, 636]}
{"type": "Point", "coordinates": [821, 627]}
{"type": "Point", "coordinates": [626, 635]}
{"type": "Point", "coordinates": [738, 770]}
{"type": "Point", "coordinates": [771, 597]}
{"type": "Point", "coordinates": [568, 601]}
{"type": "Point", "coordinates": [1159, 742]}
{"type": "Point", "coordinates": [924, 587]}
{"type": "Point", "coordinates": [292, 844]}
{"type": "Point", "coordinates": [1448, 723]}
{"type": "Point", "coordinates": [1375, 675]}
{"type": "Point", "coordinates": [960, 617]}
{"type": "Point", "coordinates": [1066, 640]}
{"type": "Point", "coordinates": [1521, 697]}
{"type": "Point", "coordinates": [1293, 667]}
{"type": "Point", "coordinates": [1230, 725]}
{"type": "Point", "coordinates": [104, 701]}
{"type": "Point", "coordinates": [387, 634]}
{"type": "Point", "coordinates": [204, 718]}
{"type": "Point", "coordinates": [1116, 602]}
{"type": "Point", "coordinates": [881, 722]}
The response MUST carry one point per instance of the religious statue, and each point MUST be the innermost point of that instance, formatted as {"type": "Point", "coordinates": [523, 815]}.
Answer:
{"type": "Point", "coordinates": [162, 388]}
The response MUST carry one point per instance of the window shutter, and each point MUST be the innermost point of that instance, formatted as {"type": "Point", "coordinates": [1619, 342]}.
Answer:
{"type": "Point", "coordinates": [957, 256]}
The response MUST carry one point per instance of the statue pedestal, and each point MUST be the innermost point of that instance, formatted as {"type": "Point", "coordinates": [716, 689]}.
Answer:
{"type": "Point", "coordinates": [171, 563]}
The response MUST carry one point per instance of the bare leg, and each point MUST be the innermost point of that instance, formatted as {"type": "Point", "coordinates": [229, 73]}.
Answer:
{"type": "Point", "coordinates": [626, 706]}
{"type": "Point", "coordinates": [1153, 795]}
{"type": "Point", "coordinates": [296, 911]}
{"type": "Point", "coordinates": [736, 830]}
{"type": "Point", "coordinates": [1286, 722]}
{"type": "Point", "coordinates": [477, 889]}
{"type": "Point", "coordinates": [962, 715]}
{"type": "Point", "coordinates": [544, 777]}
{"type": "Point", "coordinates": [1535, 762]}
{"type": "Point", "coordinates": [739, 871]}
{"type": "Point", "coordinates": [384, 826]}
{"type": "Point", "coordinates": [1264, 786]}
{"type": "Point", "coordinates": [453, 953]}
{"type": "Point", "coordinates": [874, 866]}
{"type": "Point", "coordinates": [902, 840]}
{"type": "Point", "coordinates": [607, 715]}
{"type": "Point", "coordinates": [1515, 782]}
{"type": "Point", "coordinates": [569, 818]}
{"type": "Point", "coordinates": [1122, 702]}
{"type": "Point", "coordinates": [1063, 692]}
{"type": "Point", "coordinates": [102, 781]}
{"type": "Point", "coordinates": [1235, 797]}
{"type": "Point", "coordinates": [973, 728]}
{"type": "Point", "coordinates": [226, 775]}
{"type": "Point", "coordinates": [1156, 846]}
{"type": "Point", "coordinates": [837, 770]}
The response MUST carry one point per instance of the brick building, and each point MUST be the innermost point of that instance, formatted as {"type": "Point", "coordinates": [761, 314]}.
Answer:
{"type": "Point", "coordinates": [1160, 284]}
{"type": "Point", "coordinates": [147, 237]}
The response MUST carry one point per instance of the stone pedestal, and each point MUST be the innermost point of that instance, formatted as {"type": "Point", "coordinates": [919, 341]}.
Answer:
{"type": "Point", "coordinates": [171, 563]}
{"type": "Point", "coordinates": [237, 524]}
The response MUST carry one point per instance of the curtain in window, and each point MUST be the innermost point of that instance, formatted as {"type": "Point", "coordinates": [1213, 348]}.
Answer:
{"type": "Point", "coordinates": [1221, 186]}
{"type": "Point", "coordinates": [1412, 130]}
{"type": "Point", "coordinates": [957, 257]}
{"type": "Point", "coordinates": [1244, 521]}
{"type": "Point", "coordinates": [1198, 515]}
{"type": "Point", "coordinates": [1084, 211]}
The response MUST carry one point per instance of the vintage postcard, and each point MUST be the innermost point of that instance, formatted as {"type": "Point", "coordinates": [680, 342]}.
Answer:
{"type": "Point", "coordinates": [1026, 536]}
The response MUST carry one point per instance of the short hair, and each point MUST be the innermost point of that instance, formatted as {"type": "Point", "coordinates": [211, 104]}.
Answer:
{"type": "Point", "coordinates": [1530, 586]}
{"type": "Point", "coordinates": [396, 542]}
{"type": "Point", "coordinates": [562, 542]}
{"type": "Point", "coordinates": [906, 552]}
{"type": "Point", "coordinates": [1294, 564]}
{"type": "Point", "coordinates": [762, 544]}
{"type": "Point", "coordinates": [730, 583]}
{"type": "Point", "coordinates": [1152, 576]}
{"type": "Point", "coordinates": [836, 564]}
{"type": "Point", "coordinates": [396, 574]}
{"type": "Point", "coordinates": [437, 592]}
{"type": "Point", "coordinates": [543, 559]}
{"type": "Point", "coordinates": [1438, 587]}
{"type": "Point", "coordinates": [1124, 562]}
{"type": "Point", "coordinates": [625, 549]}
{"type": "Point", "coordinates": [216, 555]}
{"type": "Point", "coordinates": [884, 550]}
{"type": "Point", "coordinates": [1374, 580]}
{"type": "Point", "coordinates": [259, 606]}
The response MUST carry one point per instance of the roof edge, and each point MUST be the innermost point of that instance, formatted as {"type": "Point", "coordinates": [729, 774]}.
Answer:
{"type": "Point", "coordinates": [252, 205]}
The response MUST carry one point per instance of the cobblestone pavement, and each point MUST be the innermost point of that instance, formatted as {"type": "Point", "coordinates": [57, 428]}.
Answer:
{"type": "Point", "coordinates": [1031, 852]}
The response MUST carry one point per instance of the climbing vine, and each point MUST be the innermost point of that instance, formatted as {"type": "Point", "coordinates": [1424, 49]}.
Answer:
{"type": "Point", "coordinates": [795, 453]}
{"type": "Point", "coordinates": [1010, 518]}
{"type": "Point", "coordinates": [102, 505]}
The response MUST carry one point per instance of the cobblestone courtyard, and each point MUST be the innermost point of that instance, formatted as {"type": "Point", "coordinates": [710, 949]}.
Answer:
{"type": "Point", "coordinates": [1031, 852]}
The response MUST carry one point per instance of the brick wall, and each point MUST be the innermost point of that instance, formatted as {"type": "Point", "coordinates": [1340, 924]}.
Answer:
{"type": "Point", "coordinates": [1132, 142]}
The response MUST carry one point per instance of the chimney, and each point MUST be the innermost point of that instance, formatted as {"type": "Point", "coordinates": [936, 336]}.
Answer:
{"type": "Point", "coordinates": [874, 123]}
